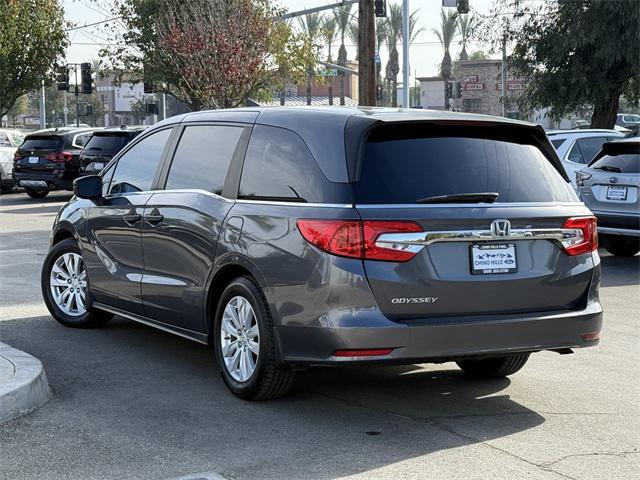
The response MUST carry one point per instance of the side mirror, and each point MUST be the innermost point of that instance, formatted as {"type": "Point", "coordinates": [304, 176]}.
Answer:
{"type": "Point", "coordinates": [89, 187]}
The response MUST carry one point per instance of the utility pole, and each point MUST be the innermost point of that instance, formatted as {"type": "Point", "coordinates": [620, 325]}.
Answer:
{"type": "Point", "coordinates": [503, 80]}
{"type": "Point", "coordinates": [66, 109]}
{"type": "Point", "coordinates": [43, 113]}
{"type": "Point", "coordinates": [75, 72]}
{"type": "Point", "coordinates": [405, 54]}
{"type": "Point", "coordinates": [366, 54]}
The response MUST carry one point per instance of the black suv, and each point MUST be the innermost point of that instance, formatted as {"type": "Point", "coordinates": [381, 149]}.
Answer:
{"type": "Point", "coordinates": [103, 145]}
{"type": "Point", "coordinates": [49, 160]}
{"type": "Point", "coordinates": [297, 237]}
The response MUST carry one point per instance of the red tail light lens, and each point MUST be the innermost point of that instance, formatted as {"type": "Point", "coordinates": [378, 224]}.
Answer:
{"type": "Point", "coordinates": [59, 157]}
{"type": "Point", "coordinates": [369, 352]}
{"type": "Point", "coordinates": [587, 240]}
{"type": "Point", "coordinates": [356, 238]}
{"type": "Point", "coordinates": [17, 156]}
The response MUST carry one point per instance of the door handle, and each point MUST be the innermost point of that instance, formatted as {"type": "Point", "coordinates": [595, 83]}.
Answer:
{"type": "Point", "coordinates": [154, 219]}
{"type": "Point", "coordinates": [131, 218]}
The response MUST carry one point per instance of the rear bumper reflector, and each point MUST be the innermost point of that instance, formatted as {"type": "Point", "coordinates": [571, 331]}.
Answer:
{"type": "Point", "coordinates": [375, 352]}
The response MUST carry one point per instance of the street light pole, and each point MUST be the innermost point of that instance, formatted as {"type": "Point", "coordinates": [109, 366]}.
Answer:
{"type": "Point", "coordinates": [405, 54]}
{"type": "Point", "coordinates": [503, 80]}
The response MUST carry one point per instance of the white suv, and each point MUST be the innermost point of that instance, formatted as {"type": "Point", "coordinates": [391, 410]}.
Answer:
{"type": "Point", "coordinates": [576, 148]}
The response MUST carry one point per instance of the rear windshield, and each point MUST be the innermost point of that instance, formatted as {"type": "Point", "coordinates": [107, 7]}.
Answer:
{"type": "Point", "coordinates": [42, 143]}
{"type": "Point", "coordinates": [400, 168]}
{"type": "Point", "coordinates": [624, 163]}
{"type": "Point", "coordinates": [107, 144]}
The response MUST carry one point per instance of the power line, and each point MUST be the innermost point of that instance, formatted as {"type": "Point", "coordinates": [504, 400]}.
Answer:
{"type": "Point", "coordinates": [93, 24]}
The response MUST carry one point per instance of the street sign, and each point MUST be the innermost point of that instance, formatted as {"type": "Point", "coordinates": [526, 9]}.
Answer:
{"type": "Point", "coordinates": [328, 72]}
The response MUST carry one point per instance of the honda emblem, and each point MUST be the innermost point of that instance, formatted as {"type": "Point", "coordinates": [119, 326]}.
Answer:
{"type": "Point", "coordinates": [500, 228]}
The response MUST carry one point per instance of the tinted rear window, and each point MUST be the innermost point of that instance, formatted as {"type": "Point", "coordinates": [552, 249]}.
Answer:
{"type": "Point", "coordinates": [42, 143]}
{"type": "Point", "coordinates": [397, 168]}
{"type": "Point", "coordinates": [626, 162]}
{"type": "Point", "coordinates": [556, 143]}
{"type": "Point", "coordinates": [107, 144]}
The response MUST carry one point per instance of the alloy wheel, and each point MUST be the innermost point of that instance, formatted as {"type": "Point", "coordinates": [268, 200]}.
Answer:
{"type": "Point", "coordinates": [68, 281]}
{"type": "Point", "coordinates": [239, 339]}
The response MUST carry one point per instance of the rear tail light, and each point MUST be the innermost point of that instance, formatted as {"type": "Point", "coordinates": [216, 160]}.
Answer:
{"type": "Point", "coordinates": [59, 157]}
{"type": "Point", "coordinates": [17, 156]}
{"type": "Point", "coordinates": [357, 238]}
{"type": "Point", "coordinates": [581, 177]}
{"type": "Point", "coordinates": [584, 238]}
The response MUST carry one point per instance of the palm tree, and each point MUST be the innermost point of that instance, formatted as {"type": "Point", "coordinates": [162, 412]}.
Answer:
{"type": "Point", "coordinates": [329, 32]}
{"type": "Point", "coordinates": [311, 26]}
{"type": "Point", "coordinates": [342, 16]}
{"type": "Point", "coordinates": [446, 34]}
{"type": "Point", "coordinates": [466, 25]}
{"type": "Point", "coordinates": [381, 37]}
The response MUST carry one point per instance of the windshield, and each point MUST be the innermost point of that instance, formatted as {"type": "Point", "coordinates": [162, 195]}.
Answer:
{"type": "Point", "coordinates": [406, 170]}
{"type": "Point", "coordinates": [107, 144]}
{"type": "Point", "coordinates": [623, 163]}
{"type": "Point", "coordinates": [48, 142]}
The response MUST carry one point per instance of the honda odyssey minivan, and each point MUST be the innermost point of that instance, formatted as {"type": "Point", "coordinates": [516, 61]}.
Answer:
{"type": "Point", "coordinates": [292, 237]}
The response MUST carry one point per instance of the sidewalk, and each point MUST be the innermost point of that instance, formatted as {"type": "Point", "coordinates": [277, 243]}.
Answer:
{"type": "Point", "coordinates": [23, 383]}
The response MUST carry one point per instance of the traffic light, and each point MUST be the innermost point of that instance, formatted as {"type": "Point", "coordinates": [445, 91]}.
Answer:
{"type": "Point", "coordinates": [152, 108]}
{"type": "Point", "coordinates": [85, 77]}
{"type": "Point", "coordinates": [379, 93]}
{"type": "Point", "coordinates": [88, 110]}
{"type": "Point", "coordinates": [380, 8]}
{"type": "Point", "coordinates": [449, 90]}
{"type": "Point", "coordinates": [458, 90]}
{"type": "Point", "coordinates": [62, 77]}
{"type": "Point", "coordinates": [463, 6]}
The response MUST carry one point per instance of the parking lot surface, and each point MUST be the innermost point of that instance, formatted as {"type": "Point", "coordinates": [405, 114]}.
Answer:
{"type": "Point", "coordinates": [131, 402]}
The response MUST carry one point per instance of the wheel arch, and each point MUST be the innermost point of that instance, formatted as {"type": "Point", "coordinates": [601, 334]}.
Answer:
{"type": "Point", "coordinates": [62, 232]}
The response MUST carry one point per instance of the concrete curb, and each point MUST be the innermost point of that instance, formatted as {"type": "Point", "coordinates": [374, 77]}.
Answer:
{"type": "Point", "coordinates": [27, 389]}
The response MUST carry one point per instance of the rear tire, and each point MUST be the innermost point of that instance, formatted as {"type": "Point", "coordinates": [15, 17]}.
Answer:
{"type": "Point", "coordinates": [620, 245]}
{"type": "Point", "coordinates": [56, 275]}
{"type": "Point", "coordinates": [494, 367]}
{"type": "Point", "coordinates": [7, 187]}
{"type": "Point", "coordinates": [243, 326]}
{"type": "Point", "coordinates": [36, 192]}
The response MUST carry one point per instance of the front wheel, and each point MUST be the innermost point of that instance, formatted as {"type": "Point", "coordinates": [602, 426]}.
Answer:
{"type": "Point", "coordinates": [64, 287]}
{"type": "Point", "coordinates": [620, 245]}
{"type": "Point", "coordinates": [36, 192]}
{"type": "Point", "coordinates": [494, 367]}
{"type": "Point", "coordinates": [244, 344]}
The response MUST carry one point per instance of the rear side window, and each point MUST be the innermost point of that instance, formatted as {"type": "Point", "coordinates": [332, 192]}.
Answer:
{"type": "Point", "coordinates": [202, 157]}
{"type": "Point", "coordinates": [279, 166]}
{"type": "Point", "coordinates": [397, 168]}
{"type": "Point", "coordinates": [137, 167]}
{"type": "Point", "coordinates": [107, 143]}
{"type": "Point", "coordinates": [590, 147]}
{"type": "Point", "coordinates": [48, 142]}
{"type": "Point", "coordinates": [556, 143]}
{"type": "Point", "coordinates": [79, 141]}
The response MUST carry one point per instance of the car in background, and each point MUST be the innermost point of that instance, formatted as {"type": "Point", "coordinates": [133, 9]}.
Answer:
{"type": "Point", "coordinates": [103, 145]}
{"type": "Point", "coordinates": [576, 148]}
{"type": "Point", "coordinates": [610, 187]}
{"type": "Point", "coordinates": [49, 160]}
{"type": "Point", "coordinates": [9, 141]}
{"type": "Point", "coordinates": [628, 120]}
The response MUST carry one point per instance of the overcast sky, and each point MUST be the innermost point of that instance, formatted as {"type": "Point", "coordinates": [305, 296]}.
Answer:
{"type": "Point", "coordinates": [425, 54]}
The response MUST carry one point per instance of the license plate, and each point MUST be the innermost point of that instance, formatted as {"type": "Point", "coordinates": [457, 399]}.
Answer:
{"type": "Point", "coordinates": [34, 159]}
{"type": "Point", "coordinates": [492, 258]}
{"type": "Point", "coordinates": [98, 165]}
{"type": "Point", "coordinates": [616, 193]}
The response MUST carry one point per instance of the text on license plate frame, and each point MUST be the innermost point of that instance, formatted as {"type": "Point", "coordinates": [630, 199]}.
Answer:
{"type": "Point", "coordinates": [617, 196]}
{"type": "Point", "coordinates": [502, 264]}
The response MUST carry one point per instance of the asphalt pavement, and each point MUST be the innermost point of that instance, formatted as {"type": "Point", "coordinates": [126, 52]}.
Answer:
{"type": "Point", "coordinates": [131, 402]}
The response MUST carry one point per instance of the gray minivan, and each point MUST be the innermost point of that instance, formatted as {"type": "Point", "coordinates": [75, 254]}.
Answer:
{"type": "Point", "coordinates": [293, 237]}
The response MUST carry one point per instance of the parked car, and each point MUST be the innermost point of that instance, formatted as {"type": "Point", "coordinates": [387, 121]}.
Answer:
{"type": "Point", "coordinates": [103, 145]}
{"type": "Point", "coordinates": [9, 141]}
{"type": "Point", "coordinates": [576, 148]}
{"type": "Point", "coordinates": [49, 160]}
{"type": "Point", "coordinates": [288, 238]}
{"type": "Point", "coordinates": [610, 187]}
{"type": "Point", "coordinates": [628, 120]}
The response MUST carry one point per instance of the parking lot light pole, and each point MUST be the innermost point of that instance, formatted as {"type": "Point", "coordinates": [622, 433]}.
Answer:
{"type": "Point", "coordinates": [405, 54]}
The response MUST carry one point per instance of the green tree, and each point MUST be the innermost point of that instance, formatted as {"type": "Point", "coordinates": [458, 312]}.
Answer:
{"type": "Point", "coordinates": [32, 39]}
{"type": "Point", "coordinates": [575, 55]}
{"type": "Point", "coordinates": [329, 33]}
{"type": "Point", "coordinates": [311, 26]}
{"type": "Point", "coordinates": [446, 35]}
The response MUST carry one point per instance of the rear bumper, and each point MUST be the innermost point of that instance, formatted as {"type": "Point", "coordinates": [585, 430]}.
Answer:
{"type": "Point", "coordinates": [43, 180]}
{"type": "Point", "coordinates": [443, 339]}
{"type": "Point", "coordinates": [616, 224]}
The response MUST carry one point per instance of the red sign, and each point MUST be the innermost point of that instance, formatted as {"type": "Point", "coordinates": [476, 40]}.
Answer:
{"type": "Point", "coordinates": [470, 86]}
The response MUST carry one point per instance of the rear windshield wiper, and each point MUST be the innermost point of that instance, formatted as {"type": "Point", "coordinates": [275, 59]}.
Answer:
{"type": "Point", "coordinates": [481, 197]}
{"type": "Point", "coordinates": [608, 168]}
